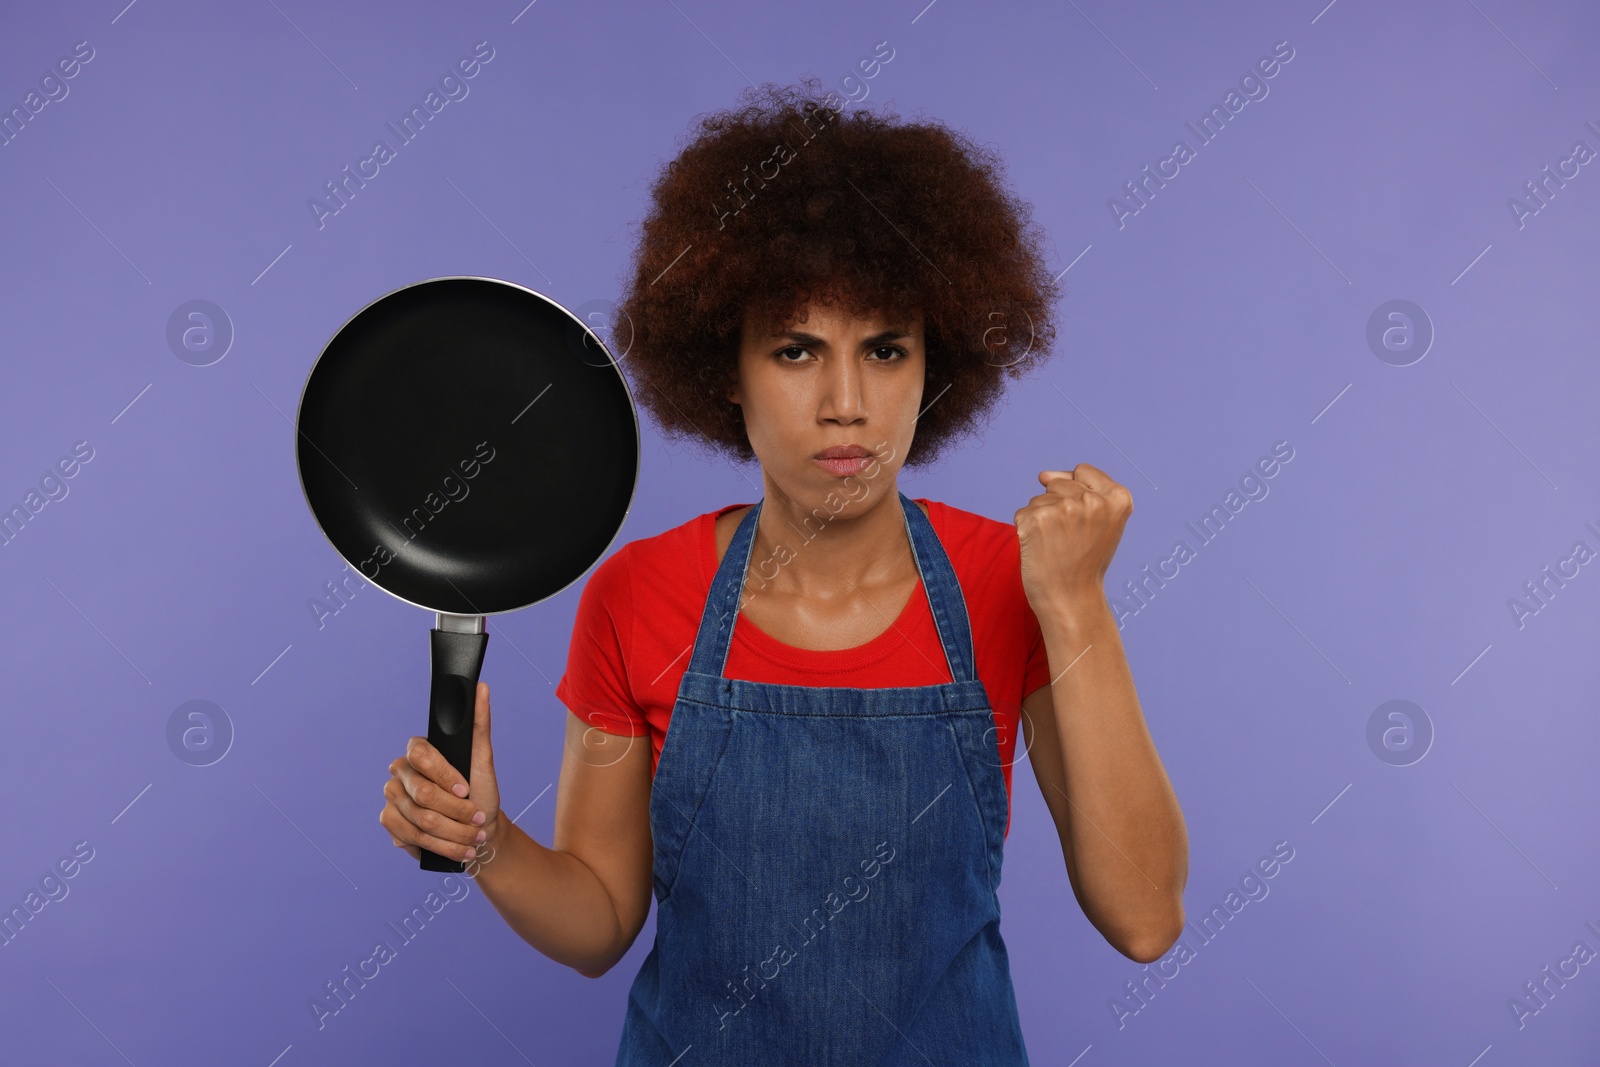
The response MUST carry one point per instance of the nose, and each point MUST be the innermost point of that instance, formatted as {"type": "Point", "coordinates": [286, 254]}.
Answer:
{"type": "Point", "coordinates": [842, 398]}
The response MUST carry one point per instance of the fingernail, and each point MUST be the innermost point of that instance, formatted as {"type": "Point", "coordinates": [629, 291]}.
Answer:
{"type": "Point", "coordinates": [468, 855]}
{"type": "Point", "coordinates": [459, 789]}
{"type": "Point", "coordinates": [478, 817]}
{"type": "Point", "coordinates": [482, 837]}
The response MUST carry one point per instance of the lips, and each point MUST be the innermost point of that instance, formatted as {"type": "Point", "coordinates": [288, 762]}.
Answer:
{"type": "Point", "coordinates": [842, 461]}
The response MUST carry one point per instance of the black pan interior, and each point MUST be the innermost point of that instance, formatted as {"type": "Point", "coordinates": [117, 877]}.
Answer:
{"type": "Point", "coordinates": [467, 445]}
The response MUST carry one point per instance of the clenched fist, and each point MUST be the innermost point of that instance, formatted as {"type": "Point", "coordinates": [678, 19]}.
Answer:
{"type": "Point", "coordinates": [1068, 534]}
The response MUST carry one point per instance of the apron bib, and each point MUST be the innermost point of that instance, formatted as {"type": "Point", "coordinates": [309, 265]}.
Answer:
{"type": "Point", "coordinates": [826, 860]}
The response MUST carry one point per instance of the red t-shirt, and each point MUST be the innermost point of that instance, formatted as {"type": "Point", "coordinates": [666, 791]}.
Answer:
{"type": "Point", "coordinates": [640, 610]}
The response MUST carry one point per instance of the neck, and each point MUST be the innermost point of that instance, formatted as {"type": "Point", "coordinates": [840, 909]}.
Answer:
{"type": "Point", "coordinates": [820, 552]}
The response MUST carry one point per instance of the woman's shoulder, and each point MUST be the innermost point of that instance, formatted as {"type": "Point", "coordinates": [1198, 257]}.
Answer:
{"type": "Point", "coordinates": [962, 529]}
{"type": "Point", "coordinates": [984, 551]}
{"type": "Point", "coordinates": [677, 551]}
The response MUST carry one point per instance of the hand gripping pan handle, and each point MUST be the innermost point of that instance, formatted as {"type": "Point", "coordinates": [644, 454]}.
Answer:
{"type": "Point", "coordinates": [456, 647]}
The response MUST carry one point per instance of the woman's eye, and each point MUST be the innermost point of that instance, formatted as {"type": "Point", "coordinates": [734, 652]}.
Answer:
{"type": "Point", "coordinates": [895, 352]}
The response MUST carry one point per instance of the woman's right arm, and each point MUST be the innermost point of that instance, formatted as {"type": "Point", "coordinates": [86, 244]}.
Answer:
{"type": "Point", "coordinates": [581, 902]}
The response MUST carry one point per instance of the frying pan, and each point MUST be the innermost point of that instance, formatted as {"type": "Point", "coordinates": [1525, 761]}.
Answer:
{"type": "Point", "coordinates": [472, 448]}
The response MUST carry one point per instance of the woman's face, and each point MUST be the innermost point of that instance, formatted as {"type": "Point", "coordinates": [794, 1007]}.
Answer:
{"type": "Point", "coordinates": [829, 380]}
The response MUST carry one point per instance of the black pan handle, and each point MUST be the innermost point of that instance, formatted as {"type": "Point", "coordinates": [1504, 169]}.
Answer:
{"type": "Point", "coordinates": [457, 658]}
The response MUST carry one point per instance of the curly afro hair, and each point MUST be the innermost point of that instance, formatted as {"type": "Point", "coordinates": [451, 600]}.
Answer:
{"type": "Point", "coordinates": [787, 199]}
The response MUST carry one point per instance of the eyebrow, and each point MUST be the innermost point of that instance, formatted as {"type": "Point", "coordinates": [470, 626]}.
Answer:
{"type": "Point", "coordinates": [801, 337]}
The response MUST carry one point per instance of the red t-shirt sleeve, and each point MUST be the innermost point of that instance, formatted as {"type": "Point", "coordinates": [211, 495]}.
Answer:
{"type": "Point", "coordinates": [1038, 670]}
{"type": "Point", "coordinates": [595, 686]}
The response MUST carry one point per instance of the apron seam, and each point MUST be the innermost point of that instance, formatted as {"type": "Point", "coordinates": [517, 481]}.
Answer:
{"type": "Point", "coordinates": [840, 715]}
{"type": "Point", "coordinates": [983, 816]}
{"type": "Point", "coordinates": [694, 816]}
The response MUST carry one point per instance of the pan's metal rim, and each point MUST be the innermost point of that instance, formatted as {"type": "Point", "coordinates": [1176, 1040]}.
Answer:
{"type": "Point", "coordinates": [633, 409]}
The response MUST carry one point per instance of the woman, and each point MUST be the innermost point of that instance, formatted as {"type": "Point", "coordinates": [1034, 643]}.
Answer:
{"type": "Point", "coordinates": [830, 679]}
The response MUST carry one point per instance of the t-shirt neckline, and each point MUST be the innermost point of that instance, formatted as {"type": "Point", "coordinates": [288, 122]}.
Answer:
{"type": "Point", "coordinates": [824, 661]}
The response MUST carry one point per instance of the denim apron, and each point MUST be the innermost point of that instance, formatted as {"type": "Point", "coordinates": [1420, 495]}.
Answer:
{"type": "Point", "coordinates": [826, 861]}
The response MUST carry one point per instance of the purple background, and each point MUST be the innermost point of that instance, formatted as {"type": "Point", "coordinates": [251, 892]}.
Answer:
{"type": "Point", "coordinates": [1230, 313]}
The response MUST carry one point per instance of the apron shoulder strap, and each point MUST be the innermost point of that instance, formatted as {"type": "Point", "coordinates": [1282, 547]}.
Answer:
{"type": "Point", "coordinates": [945, 599]}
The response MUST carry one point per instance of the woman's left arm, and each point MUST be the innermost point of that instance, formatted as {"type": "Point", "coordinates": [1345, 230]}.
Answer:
{"type": "Point", "coordinates": [1121, 830]}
